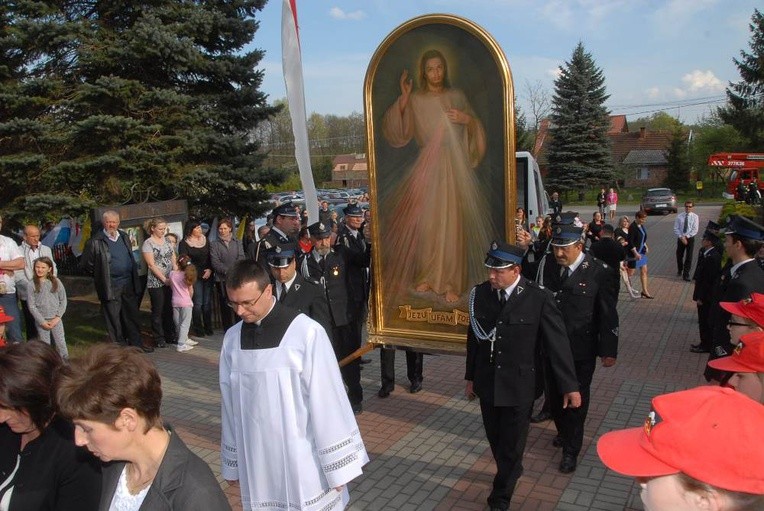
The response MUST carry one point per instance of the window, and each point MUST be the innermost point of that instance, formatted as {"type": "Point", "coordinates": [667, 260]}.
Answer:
{"type": "Point", "coordinates": [643, 174]}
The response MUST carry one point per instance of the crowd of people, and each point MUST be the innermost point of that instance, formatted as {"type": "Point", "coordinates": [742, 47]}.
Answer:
{"type": "Point", "coordinates": [86, 433]}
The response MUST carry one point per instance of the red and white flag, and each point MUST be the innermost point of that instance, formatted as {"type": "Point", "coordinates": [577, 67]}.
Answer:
{"type": "Point", "coordinates": [292, 63]}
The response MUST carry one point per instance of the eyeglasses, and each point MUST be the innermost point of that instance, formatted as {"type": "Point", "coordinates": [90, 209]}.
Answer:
{"type": "Point", "coordinates": [690, 206]}
{"type": "Point", "coordinates": [248, 304]}
{"type": "Point", "coordinates": [735, 323]}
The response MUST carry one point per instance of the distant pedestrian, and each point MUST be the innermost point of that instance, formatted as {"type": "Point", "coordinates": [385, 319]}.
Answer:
{"type": "Point", "coordinates": [555, 204]}
{"type": "Point", "coordinates": [638, 251]}
{"type": "Point", "coordinates": [601, 201]}
{"type": "Point", "coordinates": [11, 259]}
{"type": "Point", "coordinates": [707, 273]}
{"type": "Point", "coordinates": [47, 304]}
{"type": "Point", "coordinates": [685, 229]}
{"type": "Point", "coordinates": [612, 203]}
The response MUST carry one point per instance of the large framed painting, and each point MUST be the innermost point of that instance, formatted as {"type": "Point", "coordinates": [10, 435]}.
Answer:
{"type": "Point", "coordinates": [438, 98]}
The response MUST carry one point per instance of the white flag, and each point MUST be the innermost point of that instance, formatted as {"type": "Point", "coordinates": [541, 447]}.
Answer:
{"type": "Point", "coordinates": [292, 63]}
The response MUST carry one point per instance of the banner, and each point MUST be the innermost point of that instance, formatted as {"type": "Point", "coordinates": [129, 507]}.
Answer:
{"type": "Point", "coordinates": [292, 64]}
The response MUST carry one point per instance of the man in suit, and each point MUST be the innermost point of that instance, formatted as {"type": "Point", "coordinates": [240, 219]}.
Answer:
{"type": "Point", "coordinates": [286, 226]}
{"type": "Point", "coordinates": [742, 277]}
{"type": "Point", "coordinates": [291, 288]}
{"type": "Point", "coordinates": [707, 273]}
{"type": "Point", "coordinates": [685, 229]}
{"type": "Point", "coordinates": [583, 291]}
{"type": "Point", "coordinates": [512, 317]}
{"type": "Point", "coordinates": [328, 267]}
{"type": "Point", "coordinates": [355, 246]}
{"type": "Point", "coordinates": [612, 253]}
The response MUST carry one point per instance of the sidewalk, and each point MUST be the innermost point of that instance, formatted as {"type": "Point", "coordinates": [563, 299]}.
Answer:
{"type": "Point", "coordinates": [428, 450]}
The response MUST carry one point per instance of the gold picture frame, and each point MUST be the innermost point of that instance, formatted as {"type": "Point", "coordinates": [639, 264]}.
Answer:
{"type": "Point", "coordinates": [438, 99]}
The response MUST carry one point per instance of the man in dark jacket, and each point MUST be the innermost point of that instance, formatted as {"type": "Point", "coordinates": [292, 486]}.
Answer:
{"type": "Point", "coordinates": [108, 257]}
{"type": "Point", "coordinates": [583, 291]}
{"type": "Point", "coordinates": [286, 227]}
{"type": "Point", "coordinates": [510, 319]}
{"type": "Point", "coordinates": [742, 277]}
{"type": "Point", "coordinates": [612, 253]}
{"type": "Point", "coordinates": [707, 273]}
{"type": "Point", "coordinates": [292, 290]}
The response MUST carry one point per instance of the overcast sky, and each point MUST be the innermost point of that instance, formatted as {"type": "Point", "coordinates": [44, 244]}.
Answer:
{"type": "Point", "coordinates": [671, 55]}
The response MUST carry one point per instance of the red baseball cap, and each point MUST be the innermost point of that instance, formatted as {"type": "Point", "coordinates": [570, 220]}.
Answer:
{"type": "Point", "coordinates": [710, 433]}
{"type": "Point", "coordinates": [748, 356]}
{"type": "Point", "coordinates": [751, 308]}
{"type": "Point", "coordinates": [5, 318]}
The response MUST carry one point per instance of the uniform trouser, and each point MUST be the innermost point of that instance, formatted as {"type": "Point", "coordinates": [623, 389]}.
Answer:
{"type": "Point", "coordinates": [346, 342]}
{"type": "Point", "coordinates": [414, 363]}
{"type": "Point", "coordinates": [59, 339]}
{"type": "Point", "coordinates": [162, 324]}
{"type": "Point", "coordinates": [704, 326]}
{"type": "Point", "coordinates": [29, 323]}
{"type": "Point", "coordinates": [570, 421]}
{"type": "Point", "coordinates": [507, 430]}
{"type": "Point", "coordinates": [684, 256]}
{"type": "Point", "coordinates": [202, 316]}
{"type": "Point", "coordinates": [122, 314]}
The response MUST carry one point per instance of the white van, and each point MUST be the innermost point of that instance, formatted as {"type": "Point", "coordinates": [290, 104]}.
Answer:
{"type": "Point", "coordinates": [531, 195]}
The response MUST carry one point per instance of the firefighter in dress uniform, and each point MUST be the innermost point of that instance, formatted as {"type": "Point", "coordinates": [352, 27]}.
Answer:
{"type": "Point", "coordinates": [583, 293]}
{"type": "Point", "coordinates": [510, 317]}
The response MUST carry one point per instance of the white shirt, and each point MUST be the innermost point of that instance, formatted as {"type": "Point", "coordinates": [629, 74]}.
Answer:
{"type": "Point", "coordinates": [509, 289]}
{"type": "Point", "coordinates": [573, 267]}
{"type": "Point", "coordinates": [286, 285]}
{"type": "Point", "coordinates": [692, 224]}
{"type": "Point", "coordinates": [8, 252]}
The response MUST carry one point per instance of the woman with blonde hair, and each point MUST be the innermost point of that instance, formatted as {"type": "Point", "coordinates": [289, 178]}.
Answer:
{"type": "Point", "coordinates": [160, 259]}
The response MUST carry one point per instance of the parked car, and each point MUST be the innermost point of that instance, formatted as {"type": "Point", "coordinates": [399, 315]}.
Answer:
{"type": "Point", "coordinates": [658, 200]}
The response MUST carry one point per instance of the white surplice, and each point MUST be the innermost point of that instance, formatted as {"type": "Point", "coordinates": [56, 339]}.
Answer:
{"type": "Point", "coordinates": [288, 433]}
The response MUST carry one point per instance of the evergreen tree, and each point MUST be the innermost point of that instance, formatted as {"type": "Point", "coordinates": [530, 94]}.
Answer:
{"type": "Point", "coordinates": [678, 157]}
{"type": "Point", "coordinates": [745, 107]}
{"type": "Point", "coordinates": [579, 150]}
{"type": "Point", "coordinates": [126, 101]}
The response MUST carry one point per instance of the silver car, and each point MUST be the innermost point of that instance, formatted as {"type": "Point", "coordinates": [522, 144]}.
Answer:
{"type": "Point", "coordinates": [658, 200]}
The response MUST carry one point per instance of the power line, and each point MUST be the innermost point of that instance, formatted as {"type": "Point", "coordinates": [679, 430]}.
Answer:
{"type": "Point", "coordinates": [675, 106]}
{"type": "Point", "coordinates": [677, 102]}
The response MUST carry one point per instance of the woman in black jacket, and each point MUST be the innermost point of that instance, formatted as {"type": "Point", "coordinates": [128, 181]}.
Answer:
{"type": "Point", "coordinates": [638, 249]}
{"type": "Point", "coordinates": [41, 469]}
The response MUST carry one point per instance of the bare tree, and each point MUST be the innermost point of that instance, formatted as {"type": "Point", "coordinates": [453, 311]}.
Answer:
{"type": "Point", "coordinates": [539, 101]}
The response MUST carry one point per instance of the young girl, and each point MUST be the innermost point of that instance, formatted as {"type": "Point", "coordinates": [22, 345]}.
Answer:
{"type": "Point", "coordinates": [47, 304]}
{"type": "Point", "coordinates": [182, 283]}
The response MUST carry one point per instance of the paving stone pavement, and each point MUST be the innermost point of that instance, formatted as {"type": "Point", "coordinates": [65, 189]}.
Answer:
{"type": "Point", "coordinates": [428, 450]}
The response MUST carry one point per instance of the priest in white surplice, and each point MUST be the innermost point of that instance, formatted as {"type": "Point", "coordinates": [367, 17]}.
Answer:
{"type": "Point", "coordinates": [289, 435]}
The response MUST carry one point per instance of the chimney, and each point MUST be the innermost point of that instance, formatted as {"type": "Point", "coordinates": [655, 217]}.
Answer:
{"type": "Point", "coordinates": [642, 133]}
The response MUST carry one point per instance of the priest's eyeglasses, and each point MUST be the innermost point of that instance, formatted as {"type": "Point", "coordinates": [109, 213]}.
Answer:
{"type": "Point", "coordinates": [248, 304]}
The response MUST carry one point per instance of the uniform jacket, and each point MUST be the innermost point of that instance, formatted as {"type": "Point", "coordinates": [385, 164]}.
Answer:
{"type": "Point", "coordinates": [357, 254]}
{"type": "Point", "coordinates": [95, 261]}
{"type": "Point", "coordinates": [334, 280]}
{"type": "Point", "coordinates": [749, 278]}
{"type": "Point", "coordinates": [585, 300]}
{"type": "Point", "coordinates": [183, 483]}
{"type": "Point", "coordinates": [707, 273]}
{"type": "Point", "coordinates": [256, 251]}
{"type": "Point", "coordinates": [528, 319]}
{"type": "Point", "coordinates": [309, 298]}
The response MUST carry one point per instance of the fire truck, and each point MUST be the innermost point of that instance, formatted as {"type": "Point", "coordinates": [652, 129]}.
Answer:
{"type": "Point", "coordinates": [740, 168]}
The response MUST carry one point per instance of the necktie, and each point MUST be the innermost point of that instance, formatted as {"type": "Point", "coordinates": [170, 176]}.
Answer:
{"type": "Point", "coordinates": [322, 263]}
{"type": "Point", "coordinates": [564, 274]}
{"type": "Point", "coordinates": [502, 297]}
{"type": "Point", "coordinates": [283, 293]}
{"type": "Point", "coordinates": [686, 223]}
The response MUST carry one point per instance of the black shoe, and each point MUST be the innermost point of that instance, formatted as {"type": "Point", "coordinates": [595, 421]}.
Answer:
{"type": "Point", "coordinates": [542, 416]}
{"type": "Point", "coordinates": [697, 348]}
{"type": "Point", "coordinates": [497, 508]}
{"type": "Point", "coordinates": [162, 345]}
{"type": "Point", "coordinates": [357, 408]}
{"type": "Point", "coordinates": [415, 387]}
{"type": "Point", "coordinates": [557, 442]}
{"type": "Point", "coordinates": [365, 360]}
{"type": "Point", "coordinates": [687, 279]}
{"type": "Point", "coordinates": [208, 331]}
{"type": "Point", "coordinates": [147, 349]}
{"type": "Point", "coordinates": [568, 464]}
{"type": "Point", "coordinates": [384, 392]}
